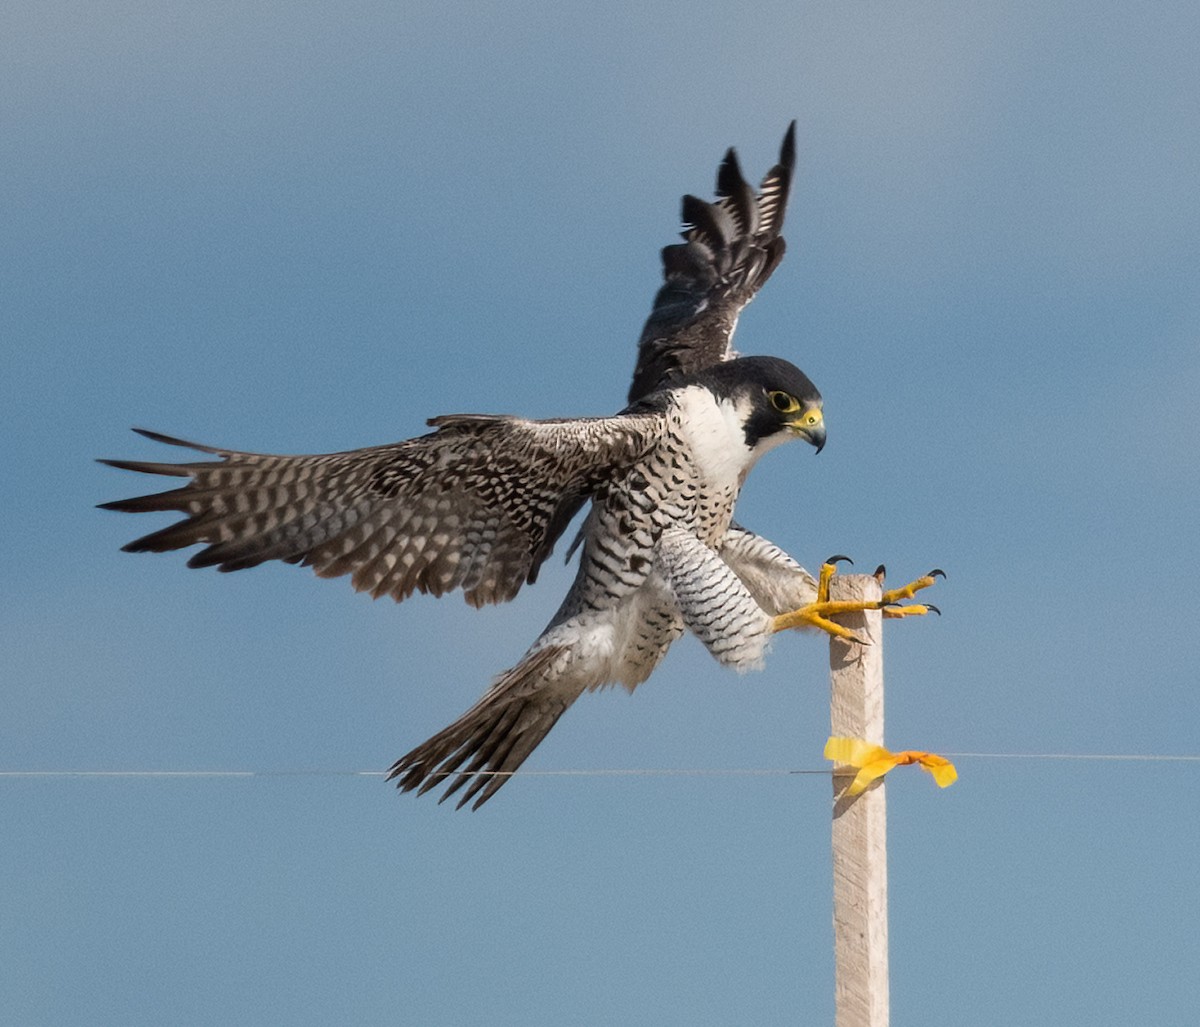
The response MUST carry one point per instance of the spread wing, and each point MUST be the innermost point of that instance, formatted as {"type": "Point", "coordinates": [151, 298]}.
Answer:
{"type": "Point", "coordinates": [731, 248]}
{"type": "Point", "coordinates": [477, 504]}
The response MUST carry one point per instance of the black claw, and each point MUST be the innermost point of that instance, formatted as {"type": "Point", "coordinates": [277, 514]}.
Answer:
{"type": "Point", "coordinates": [904, 606]}
{"type": "Point", "coordinates": [856, 639]}
{"type": "Point", "coordinates": [881, 572]}
{"type": "Point", "coordinates": [839, 559]}
{"type": "Point", "coordinates": [937, 572]}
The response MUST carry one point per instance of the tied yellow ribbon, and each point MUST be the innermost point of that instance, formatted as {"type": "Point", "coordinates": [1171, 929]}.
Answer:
{"type": "Point", "coordinates": [874, 761]}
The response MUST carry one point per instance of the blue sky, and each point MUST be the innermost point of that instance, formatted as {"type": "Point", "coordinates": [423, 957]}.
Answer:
{"type": "Point", "coordinates": [301, 228]}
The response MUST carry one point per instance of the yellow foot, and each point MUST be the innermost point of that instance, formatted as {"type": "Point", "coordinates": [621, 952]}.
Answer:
{"type": "Point", "coordinates": [817, 614]}
{"type": "Point", "coordinates": [893, 595]}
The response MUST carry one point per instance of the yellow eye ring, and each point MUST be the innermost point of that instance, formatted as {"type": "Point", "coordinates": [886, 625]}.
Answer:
{"type": "Point", "coordinates": [783, 402]}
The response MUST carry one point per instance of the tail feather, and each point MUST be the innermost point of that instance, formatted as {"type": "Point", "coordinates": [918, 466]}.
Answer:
{"type": "Point", "coordinates": [496, 735]}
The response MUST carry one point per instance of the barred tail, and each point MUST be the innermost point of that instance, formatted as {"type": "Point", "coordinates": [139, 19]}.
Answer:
{"type": "Point", "coordinates": [495, 735]}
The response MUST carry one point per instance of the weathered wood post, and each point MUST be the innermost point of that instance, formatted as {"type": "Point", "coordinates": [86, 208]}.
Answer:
{"type": "Point", "coordinates": [860, 906]}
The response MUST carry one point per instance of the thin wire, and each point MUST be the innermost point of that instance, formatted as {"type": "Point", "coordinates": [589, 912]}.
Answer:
{"type": "Point", "coordinates": [609, 772]}
{"type": "Point", "coordinates": [1133, 756]}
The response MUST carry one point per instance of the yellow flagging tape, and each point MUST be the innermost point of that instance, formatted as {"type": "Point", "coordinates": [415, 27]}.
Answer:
{"type": "Point", "coordinates": [874, 761]}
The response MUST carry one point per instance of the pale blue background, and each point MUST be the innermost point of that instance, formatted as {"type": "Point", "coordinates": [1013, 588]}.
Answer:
{"type": "Point", "coordinates": [302, 227]}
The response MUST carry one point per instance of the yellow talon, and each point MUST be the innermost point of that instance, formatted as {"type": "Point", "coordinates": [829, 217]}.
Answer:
{"type": "Point", "coordinates": [816, 614]}
{"type": "Point", "coordinates": [912, 588]}
{"type": "Point", "coordinates": [912, 610]}
{"type": "Point", "coordinates": [828, 570]}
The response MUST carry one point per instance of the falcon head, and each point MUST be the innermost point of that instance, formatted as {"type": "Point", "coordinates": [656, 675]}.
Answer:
{"type": "Point", "coordinates": [773, 399]}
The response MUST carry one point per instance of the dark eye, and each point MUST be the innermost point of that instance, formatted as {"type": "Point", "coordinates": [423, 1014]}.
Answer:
{"type": "Point", "coordinates": [782, 402]}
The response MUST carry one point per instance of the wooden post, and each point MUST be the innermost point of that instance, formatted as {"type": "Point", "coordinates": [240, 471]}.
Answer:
{"type": "Point", "coordinates": [860, 934]}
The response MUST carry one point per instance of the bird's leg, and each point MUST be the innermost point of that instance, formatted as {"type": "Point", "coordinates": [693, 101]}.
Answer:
{"type": "Point", "coordinates": [817, 614]}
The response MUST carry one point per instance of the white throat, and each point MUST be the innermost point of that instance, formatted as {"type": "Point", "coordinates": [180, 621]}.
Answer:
{"type": "Point", "coordinates": [717, 439]}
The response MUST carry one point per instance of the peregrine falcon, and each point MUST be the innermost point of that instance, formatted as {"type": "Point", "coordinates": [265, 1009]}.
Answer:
{"type": "Point", "coordinates": [478, 504]}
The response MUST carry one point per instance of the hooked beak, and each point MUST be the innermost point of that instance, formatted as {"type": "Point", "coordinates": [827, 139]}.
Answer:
{"type": "Point", "coordinates": [810, 426]}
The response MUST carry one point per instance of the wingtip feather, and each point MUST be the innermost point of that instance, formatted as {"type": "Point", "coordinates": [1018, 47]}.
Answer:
{"type": "Point", "coordinates": [787, 150]}
{"type": "Point", "coordinates": [171, 440]}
